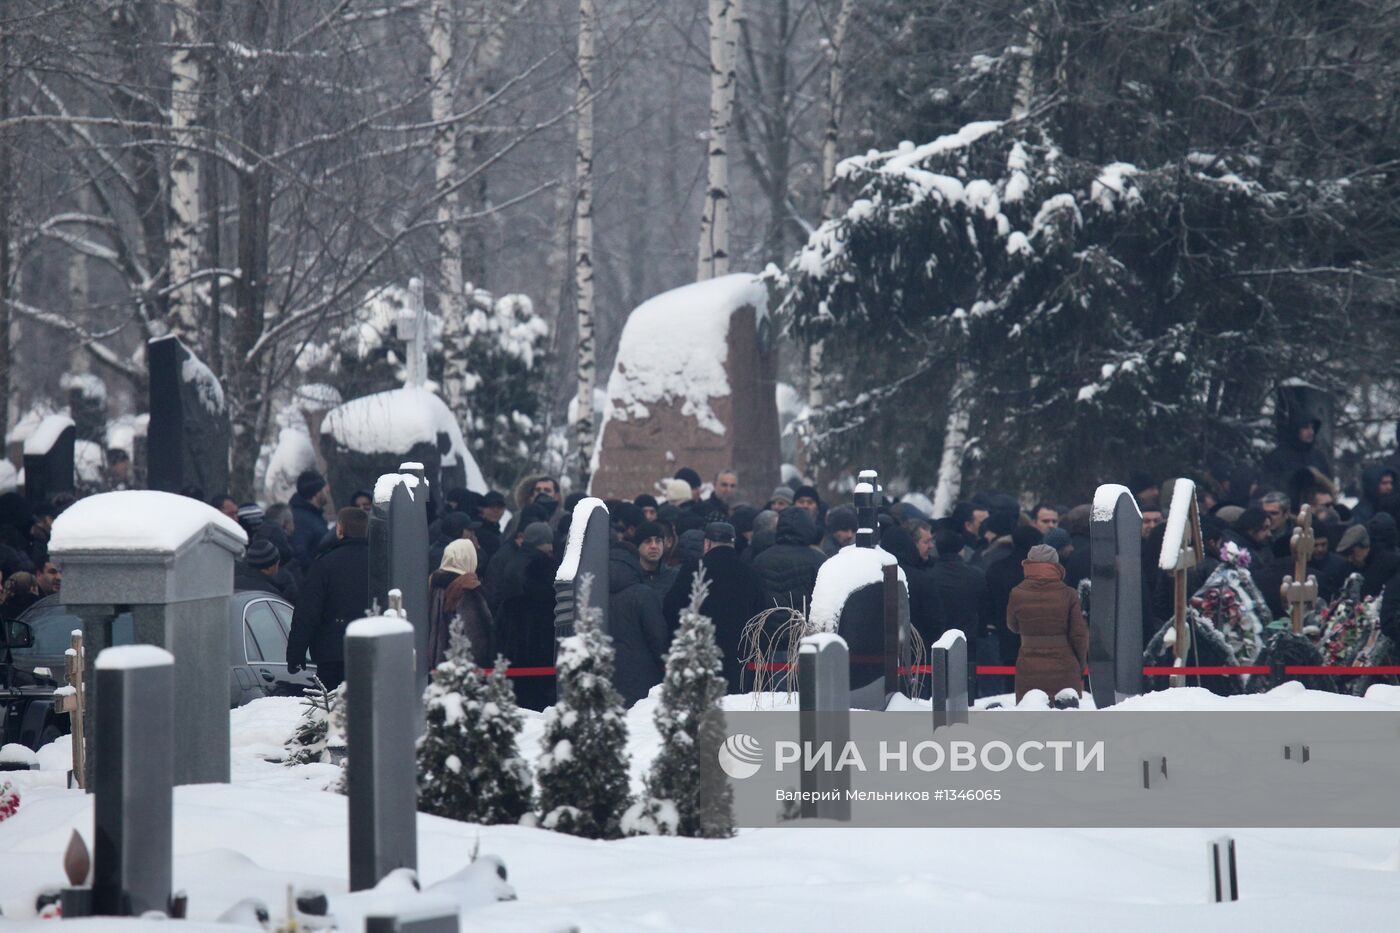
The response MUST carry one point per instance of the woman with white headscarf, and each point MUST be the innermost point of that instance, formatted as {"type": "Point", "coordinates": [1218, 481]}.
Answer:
{"type": "Point", "coordinates": [455, 595]}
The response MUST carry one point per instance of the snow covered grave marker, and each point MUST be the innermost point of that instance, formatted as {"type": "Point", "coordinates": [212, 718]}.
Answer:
{"type": "Point", "coordinates": [1115, 618]}
{"type": "Point", "coordinates": [398, 552]}
{"type": "Point", "coordinates": [695, 376]}
{"type": "Point", "coordinates": [48, 458]}
{"type": "Point", "coordinates": [824, 698]}
{"type": "Point", "coordinates": [167, 561]}
{"type": "Point", "coordinates": [382, 718]}
{"type": "Point", "coordinates": [1181, 550]}
{"type": "Point", "coordinates": [849, 599]}
{"type": "Point", "coordinates": [187, 440]}
{"type": "Point", "coordinates": [432, 919]}
{"type": "Point", "coordinates": [949, 655]}
{"type": "Point", "coordinates": [585, 554]}
{"type": "Point", "coordinates": [133, 790]}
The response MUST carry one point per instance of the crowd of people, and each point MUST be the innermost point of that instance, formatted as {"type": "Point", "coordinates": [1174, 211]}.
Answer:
{"type": "Point", "coordinates": [1003, 574]}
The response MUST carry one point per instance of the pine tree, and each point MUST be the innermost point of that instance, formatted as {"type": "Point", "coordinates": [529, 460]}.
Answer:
{"type": "Point", "coordinates": [468, 765]}
{"type": "Point", "coordinates": [310, 742]}
{"type": "Point", "coordinates": [582, 773]}
{"type": "Point", "coordinates": [686, 795]}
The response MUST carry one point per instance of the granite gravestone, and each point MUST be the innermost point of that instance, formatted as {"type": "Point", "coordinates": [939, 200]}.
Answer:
{"type": "Point", "coordinates": [1115, 616]}
{"type": "Point", "coordinates": [398, 552]}
{"type": "Point", "coordinates": [950, 695]}
{"type": "Point", "coordinates": [134, 754]}
{"type": "Point", "coordinates": [854, 580]}
{"type": "Point", "coordinates": [187, 439]}
{"type": "Point", "coordinates": [382, 715]}
{"type": "Point", "coordinates": [694, 382]}
{"type": "Point", "coordinates": [823, 693]}
{"type": "Point", "coordinates": [585, 554]}
{"type": "Point", "coordinates": [155, 568]}
{"type": "Point", "coordinates": [48, 458]}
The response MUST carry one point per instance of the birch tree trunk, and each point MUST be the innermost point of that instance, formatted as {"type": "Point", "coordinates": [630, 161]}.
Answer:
{"type": "Point", "coordinates": [831, 138]}
{"type": "Point", "coordinates": [182, 230]}
{"type": "Point", "coordinates": [452, 293]}
{"type": "Point", "coordinates": [484, 24]}
{"type": "Point", "coordinates": [6, 274]}
{"type": "Point", "coordinates": [583, 244]}
{"type": "Point", "coordinates": [714, 218]}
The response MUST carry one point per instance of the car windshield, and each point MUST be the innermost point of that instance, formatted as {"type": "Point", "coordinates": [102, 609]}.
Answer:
{"type": "Point", "coordinates": [52, 626]}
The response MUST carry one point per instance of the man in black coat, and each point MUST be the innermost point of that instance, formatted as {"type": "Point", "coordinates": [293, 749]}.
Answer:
{"type": "Point", "coordinates": [336, 593]}
{"type": "Point", "coordinates": [1377, 565]}
{"type": "Point", "coordinates": [735, 596]}
{"type": "Point", "coordinates": [1297, 450]}
{"type": "Point", "coordinates": [961, 586]}
{"type": "Point", "coordinates": [258, 568]}
{"type": "Point", "coordinates": [636, 623]}
{"type": "Point", "coordinates": [788, 569]}
{"type": "Point", "coordinates": [307, 505]}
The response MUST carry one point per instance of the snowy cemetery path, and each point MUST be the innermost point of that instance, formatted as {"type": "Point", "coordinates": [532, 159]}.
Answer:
{"type": "Point", "coordinates": [275, 825]}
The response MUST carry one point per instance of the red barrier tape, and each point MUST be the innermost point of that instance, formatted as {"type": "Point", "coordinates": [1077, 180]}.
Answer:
{"type": "Point", "coordinates": [1296, 670]}
{"type": "Point", "coordinates": [1203, 671]}
{"type": "Point", "coordinates": [530, 672]}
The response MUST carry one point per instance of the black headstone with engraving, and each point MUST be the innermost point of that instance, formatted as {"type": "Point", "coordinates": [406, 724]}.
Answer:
{"type": "Point", "coordinates": [187, 441]}
{"type": "Point", "coordinates": [862, 626]}
{"type": "Point", "coordinates": [1115, 617]}
{"type": "Point", "coordinates": [398, 542]}
{"type": "Point", "coordinates": [586, 553]}
{"type": "Point", "coordinates": [48, 458]}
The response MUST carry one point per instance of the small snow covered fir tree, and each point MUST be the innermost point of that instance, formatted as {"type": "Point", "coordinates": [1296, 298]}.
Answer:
{"type": "Point", "coordinates": [582, 771]}
{"type": "Point", "coordinates": [468, 765]}
{"type": "Point", "coordinates": [686, 795]}
{"type": "Point", "coordinates": [311, 742]}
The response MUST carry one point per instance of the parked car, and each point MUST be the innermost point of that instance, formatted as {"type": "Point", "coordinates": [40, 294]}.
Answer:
{"type": "Point", "coordinates": [32, 666]}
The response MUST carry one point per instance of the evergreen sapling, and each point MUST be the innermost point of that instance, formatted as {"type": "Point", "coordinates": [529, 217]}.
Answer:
{"type": "Point", "coordinates": [582, 772]}
{"type": "Point", "coordinates": [468, 765]}
{"type": "Point", "coordinates": [686, 794]}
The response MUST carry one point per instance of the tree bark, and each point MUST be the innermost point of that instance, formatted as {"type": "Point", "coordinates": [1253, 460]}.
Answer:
{"type": "Point", "coordinates": [583, 244]}
{"type": "Point", "coordinates": [182, 229]}
{"type": "Point", "coordinates": [452, 291]}
{"type": "Point", "coordinates": [714, 218]}
{"type": "Point", "coordinates": [6, 214]}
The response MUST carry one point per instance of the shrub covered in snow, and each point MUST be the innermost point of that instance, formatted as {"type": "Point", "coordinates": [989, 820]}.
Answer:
{"type": "Point", "coordinates": [469, 767]}
{"type": "Point", "coordinates": [320, 728]}
{"type": "Point", "coordinates": [684, 798]}
{"type": "Point", "coordinates": [582, 771]}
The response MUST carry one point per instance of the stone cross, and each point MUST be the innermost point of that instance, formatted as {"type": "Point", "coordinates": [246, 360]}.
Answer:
{"type": "Point", "coordinates": [1115, 619]}
{"type": "Point", "coordinates": [1300, 590]}
{"type": "Point", "coordinates": [133, 767]}
{"type": "Point", "coordinates": [824, 698]}
{"type": "Point", "coordinates": [382, 713]}
{"type": "Point", "coordinates": [950, 694]}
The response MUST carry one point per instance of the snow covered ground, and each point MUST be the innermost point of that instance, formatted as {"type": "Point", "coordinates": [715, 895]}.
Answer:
{"type": "Point", "coordinates": [274, 825]}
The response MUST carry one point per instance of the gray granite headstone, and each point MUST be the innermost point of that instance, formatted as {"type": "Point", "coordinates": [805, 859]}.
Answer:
{"type": "Point", "coordinates": [382, 713]}
{"type": "Point", "coordinates": [134, 751]}
{"type": "Point", "coordinates": [1115, 617]}
{"type": "Point", "coordinates": [398, 552]}
{"type": "Point", "coordinates": [586, 553]}
{"type": "Point", "coordinates": [949, 656]}
{"type": "Point", "coordinates": [155, 568]}
{"type": "Point", "coordinates": [417, 919]}
{"type": "Point", "coordinates": [187, 440]}
{"type": "Point", "coordinates": [48, 458]}
{"type": "Point", "coordinates": [824, 692]}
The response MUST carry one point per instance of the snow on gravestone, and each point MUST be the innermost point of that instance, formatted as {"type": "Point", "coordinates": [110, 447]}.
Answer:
{"type": "Point", "coordinates": [398, 552]}
{"type": "Point", "coordinates": [849, 600]}
{"type": "Point", "coordinates": [1115, 611]}
{"type": "Point", "coordinates": [48, 458]}
{"type": "Point", "coordinates": [585, 554]}
{"type": "Point", "coordinates": [693, 385]}
{"type": "Point", "coordinates": [169, 560]}
{"type": "Point", "coordinates": [370, 436]}
{"type": "Point", "coordinates": [187, 440]}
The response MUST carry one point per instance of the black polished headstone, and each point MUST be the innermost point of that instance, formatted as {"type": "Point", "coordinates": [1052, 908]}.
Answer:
{"type": "Point", "coordinates": [133, 770]}
{"type": "Point", "coordinates": [187, 441]}
{"type": "Point", "coordinates": [399, 554]}
{"type": "Point", "coordinates": [48, 459]}
{"type": "Point", "coordinates": [862, 627]}
{"type": "Point", "coordinates": [950, 694]}
{"type": "Point", "coordinates": [586, 553]}
{"type": "Point", "coordinates": [1115, 619]}
{"type": "Point", "coordinates": [382, 713]}
{"type": "Point", "coordinates": [823, 694]}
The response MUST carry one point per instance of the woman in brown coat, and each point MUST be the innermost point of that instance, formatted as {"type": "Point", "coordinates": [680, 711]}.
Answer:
{"type": "Point", "coordinates": [455, 593]}
{"type": "Point", "coordinates": [1047, 616]}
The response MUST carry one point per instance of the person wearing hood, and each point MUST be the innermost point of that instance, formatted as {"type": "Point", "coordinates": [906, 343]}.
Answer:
{"type": "Point", "coordinates": [788, 569]}
{"type": "Point", "coordinates": [1297, 450]}
{"type": "Point", "coordinates": [1046, 614]}
{"type": "Point", "coordinates": [455, 596]}
{"type": "Point", "coordinates": [525, 622]}
{"type": "Point", "coordinates": [636, 623]}
{"type": "Point", "coordinates": [1377, 565]}
{"type": "Point", "coordinates": [1377, 492]}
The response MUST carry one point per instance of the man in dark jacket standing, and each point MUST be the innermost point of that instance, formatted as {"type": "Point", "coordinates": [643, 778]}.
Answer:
{"type": "Point", "coordinates": [308, 506]}
{"type": "Point", "coordinates": [961, 586]}
{"type": "Point", "coordinates": [636, 624]}
{"type": "Point", "coordinates": [736, 596]}
{"type": "Point", "coordinates": [788, 569]}
{"type": "Point", "coordinates": [335, 594]}
{"type": "Point", "coordinates": [258, 568]}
